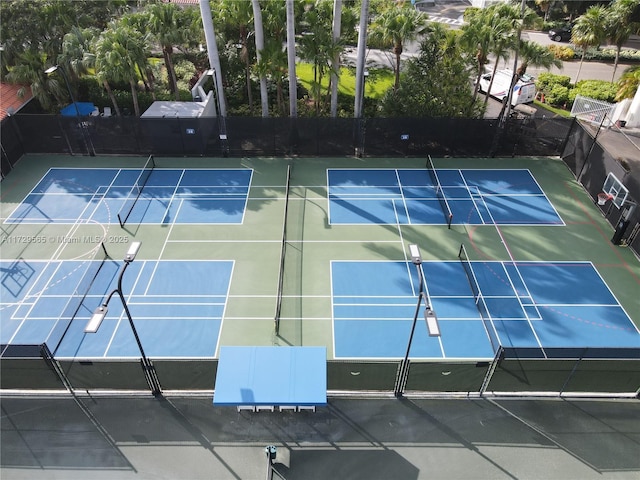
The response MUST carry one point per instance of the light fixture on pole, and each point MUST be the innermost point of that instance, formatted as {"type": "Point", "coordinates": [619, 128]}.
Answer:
{"type": "Point", "coordinates": [429, 315]}
{"type": "Point", "coordinates": [432, 322]}
{"type": "Point", "coordinates": [414, 252]}
{"type": "Point", "coordinates": [50, 71]}
{"type": "Point", "coordinates": [96, 319]}
{"type": "Point", "coordinates": [100, 313]}
{"type": "Point", "coordinates": [54, 69]}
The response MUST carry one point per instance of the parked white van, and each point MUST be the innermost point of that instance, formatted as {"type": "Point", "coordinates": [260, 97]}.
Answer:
{"type": "Point", "coordinates": [523, 92]}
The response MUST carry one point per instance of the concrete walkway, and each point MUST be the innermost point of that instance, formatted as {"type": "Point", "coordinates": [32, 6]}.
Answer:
{"type": "Point", "coordinates": [187, 438]}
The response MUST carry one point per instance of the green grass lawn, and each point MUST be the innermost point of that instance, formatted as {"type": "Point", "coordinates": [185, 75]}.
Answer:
{"type": "Point", "coordinates": [376, 84]}
{"type": "Point", "coordinates": [557, 111]}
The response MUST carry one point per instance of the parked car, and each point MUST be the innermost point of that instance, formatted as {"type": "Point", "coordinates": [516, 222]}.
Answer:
{"type": "Point", "coordinates": [562, 34]}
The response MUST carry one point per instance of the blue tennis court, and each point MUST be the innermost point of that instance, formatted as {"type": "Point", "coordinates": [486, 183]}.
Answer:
{"type": "Point", "coordinates": [99, 195]}
{"type": "Point", "coordinates": [518, 304]}
{"type": "Point", "coordinates": [423, 197]}
{"type": "Point", "coordinates": [177, 306]}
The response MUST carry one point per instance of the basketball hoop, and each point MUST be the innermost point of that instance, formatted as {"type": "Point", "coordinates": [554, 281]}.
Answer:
{"type": "Point", "coordinates": [604, 198]}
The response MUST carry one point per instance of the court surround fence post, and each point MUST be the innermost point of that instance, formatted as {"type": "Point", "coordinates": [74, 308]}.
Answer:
{"type": "Point", "coordinates": [495, 363]}
{"type": "Point", "coordinates": [430, 318]}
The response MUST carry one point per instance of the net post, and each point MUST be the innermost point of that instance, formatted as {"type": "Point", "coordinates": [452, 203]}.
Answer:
{"type": "Point", "coordinates": [444, 204]}
{"type": "Point", "coordinates": [138, 186]}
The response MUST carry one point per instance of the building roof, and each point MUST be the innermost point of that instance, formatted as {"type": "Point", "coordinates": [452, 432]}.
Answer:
{"type": "Point", "coordinates": [10, 100]}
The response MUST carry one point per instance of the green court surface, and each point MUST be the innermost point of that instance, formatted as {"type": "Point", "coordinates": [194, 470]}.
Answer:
{"type": "Point", "coordinates": [305, 308]}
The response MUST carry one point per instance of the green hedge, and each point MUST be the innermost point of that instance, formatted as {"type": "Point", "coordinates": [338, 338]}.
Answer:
{"type": "Point", "coordinates": [558, 91]}
{"type": "Point", "coordinates": [597, 89]}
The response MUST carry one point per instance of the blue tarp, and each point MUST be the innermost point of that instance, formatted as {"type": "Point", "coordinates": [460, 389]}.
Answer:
{"type": "Point", "coordinates": [85, 109]}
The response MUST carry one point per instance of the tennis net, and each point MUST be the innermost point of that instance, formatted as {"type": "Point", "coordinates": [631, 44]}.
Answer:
{"type": "Point", "coordinates": [136, 190]}
{"type": "Point", "coordinates": [283, 249]}
{"type": "Point", "coordinates": [478, 298]}
{"type": "Point", "coordinates": [444, 204]}
{"type": "Point", "coordinates": [76, 300]}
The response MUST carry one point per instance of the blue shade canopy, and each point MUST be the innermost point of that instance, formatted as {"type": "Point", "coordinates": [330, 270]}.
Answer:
{"type": "Point", "coordinates": [85, 109]}
{"type": "Point", "coordinates": [292, 376]}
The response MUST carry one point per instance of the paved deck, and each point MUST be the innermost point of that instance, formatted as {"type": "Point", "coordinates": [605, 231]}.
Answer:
{"type": "Point", "coordinates": [188, 438]}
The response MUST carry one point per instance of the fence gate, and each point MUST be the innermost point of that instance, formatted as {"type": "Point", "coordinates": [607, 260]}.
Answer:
{"type": "Point", "coordinates": [593, 111]}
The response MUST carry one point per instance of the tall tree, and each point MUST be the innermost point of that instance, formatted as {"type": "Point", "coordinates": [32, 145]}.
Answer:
{"type": "Point", "coordinates": [629, 83]}
{"type": "Point", "coordinates": [259, 37]}
{"type": "Point", "coordinates": [535, 55]}
{"type": "Point", "coordinates": [476, 39]}
{"type": "Point", "coordinates": [317, 44]}
{"type": "Point", "coordinates": [170, 25]}
{"type": "Point", "coordinates": [119, 51]}
{"type": "Point", "coordinates": [75, 45]}
{"type": "Point", "coordinates": [291, 59]}
{"type": "Point", "coordinates": [360, 59]}
{"type": "Point", "coordinates": [335, 61]}
{"type": "Point", "coordinates": [89, 63]}
{"type": "Point", "coordinates": [620, 26]}
{"type": "Point", "coordinates": [545, 7]}
{"type": "Point", "coordinates": [506, 22]}
{"type": "Point", "coordinates": [395, 26]}
{"type": "Point", "coordinates": [435, 82]}
{"type": "Point", "coordinates": [29, 70]}
{"type": "Point", "coordinates": [274, 62]}
{"type": "Point", "coordinates": [238, 17]}
{"type": "Point", "coordinates": [589, 31]}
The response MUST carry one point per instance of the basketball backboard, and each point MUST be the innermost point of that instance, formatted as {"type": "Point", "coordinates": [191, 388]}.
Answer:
{"type": "Point", "coordinates": [616, 189]}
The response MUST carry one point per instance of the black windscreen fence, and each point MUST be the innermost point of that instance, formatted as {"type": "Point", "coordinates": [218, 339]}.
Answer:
{"type": "Point", "coordinates": [251, 136]}
{"type": "Point", "coordinates": [592, 154]}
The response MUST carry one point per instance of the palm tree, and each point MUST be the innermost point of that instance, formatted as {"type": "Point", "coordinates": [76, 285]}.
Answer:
{"type": "Point", "coordinates": [502, 41]}
{"type": "Point", "coordinates": [629, 83]}
{"type": "Point", "coordinates": [75, 45]}
{"type": "Point", "coordinates": [119, 51]}
{"type": "Point", "coordinates": [360, 59]}
{"type": "Point", "coordinates": [29, 70]}
{"type": "Point", "coordinates": [170, 25]}
{"type": "Point", "coordinates": [589, 31]}
{"type": "Point", "coordinates": [476, 38]}
{"type": "Point", "coordinates": [237, 17]}
{"type": "Point", "coordinates": [620, 26]}
{"type": "Point", "coordinates": [335, 61]}
{"type": "Point", "coordinates": [545, 6]}
{"type": "Point", "coordinates": [536, 55]}
{"type": "Point", "coordinates": [291, 59]}
{"type": "Point", "coordinates": [318, 45]}
{"type": "Point", "coordinates": [89, 62]}
{"type": "Point", "coordinates": [506, 22]}
{"type": "Point", "coordinates": [273, 65]}
{"type": "Point", "coordinates": [394, 27]}
{"type": "Point", "coordinates": [259, 36]}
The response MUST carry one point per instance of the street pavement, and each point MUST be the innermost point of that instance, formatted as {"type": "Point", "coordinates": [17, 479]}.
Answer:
{"type": "Point", "coordinates": [176, 438]}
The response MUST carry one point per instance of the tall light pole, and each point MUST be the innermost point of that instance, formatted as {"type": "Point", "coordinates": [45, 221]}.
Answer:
{"type": "Point", "coordinates": [101, 312]}
{"type": "Point", "coordinates": [429, 316]}
{"type": "Point", "coordinates": [50, 71]}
